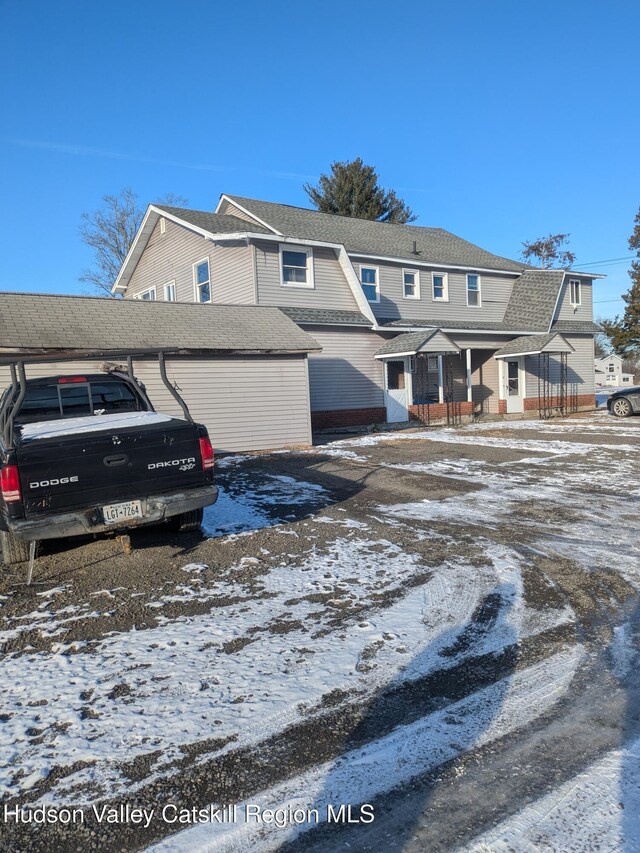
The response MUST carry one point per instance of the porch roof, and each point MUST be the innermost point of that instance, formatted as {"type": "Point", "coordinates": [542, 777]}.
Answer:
{"type": "Point", "coordinates": [411, 343]}
{"type": "Point", "coordinates": [553, 342]}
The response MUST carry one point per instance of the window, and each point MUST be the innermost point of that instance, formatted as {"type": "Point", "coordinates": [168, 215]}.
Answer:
{"type": "Point", "coordinates": [575, 294]}
{"type": "Point", "coordinates": [432, 363]}
{"type": "Point", "coordinates": [369, 281]}
{"type": "Point", "coordinates": [201, 281]}
{"type": "Point", "coordinates": [170, 291]}
{"type": "Point", "coordinates": [410, 284]}
{"type": "Point", "coordinates": [473, 290]}
{"type": "Point", "coordinates": [440, 286]}
{"type": "Point", "coordinates": [612, 368]}
{"type": "Point", "coordinates": [147, 295]}
{"type": "Point", "coordinates": [76, 399]}
{"type": "Point", "coordinates": [395, 375]}
{"type": "Point", "coordinates": [163, 225]}
{"type": "Point", "coordinates": [296, 265]}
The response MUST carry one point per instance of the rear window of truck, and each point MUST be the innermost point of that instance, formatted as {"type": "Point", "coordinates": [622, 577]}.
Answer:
{"type": "Point", "coordinates": [76, 400]}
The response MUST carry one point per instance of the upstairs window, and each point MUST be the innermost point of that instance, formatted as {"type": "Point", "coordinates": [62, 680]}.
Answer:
{"type": "Point", "coordinates": [410, 284]}
{"type": "Point", "coordinates": [369, 281]}
{"type": "Point", "coordinates": [201, 281]}
{"type": "Point", "coordinates": [170, 291]}
{"type": "Point", "coordinates": [148, 295]}
{"type": "Point", "coordinates": [473, 290]}
{"type": "Point", "coordinates": [440, 287]}
{"type": "Point", "coordinates": [296, 265]}
{"type": "Point", "coordinates": [575, 292]}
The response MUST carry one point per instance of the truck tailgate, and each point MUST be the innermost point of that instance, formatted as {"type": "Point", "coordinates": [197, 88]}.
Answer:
{"type": "Point", "coordinates": [110, 460]}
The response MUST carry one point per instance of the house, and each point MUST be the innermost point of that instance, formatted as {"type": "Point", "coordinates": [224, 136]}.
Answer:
{"type": "Point", "coordinates": [242, 369]}
{"type": "Point", "coordinates": [608, 371]}
{"type": "Point", "coordinates": [413, 321]}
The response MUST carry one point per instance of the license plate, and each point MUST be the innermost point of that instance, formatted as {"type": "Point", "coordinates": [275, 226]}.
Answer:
{"type": "Point", "coordinates": [122, 512]}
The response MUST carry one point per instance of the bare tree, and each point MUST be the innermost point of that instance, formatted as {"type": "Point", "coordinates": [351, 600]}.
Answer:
{"type": "Point", "coordinates": [547, 251]}
{"type": "Point", "coordinates": [110, 231]}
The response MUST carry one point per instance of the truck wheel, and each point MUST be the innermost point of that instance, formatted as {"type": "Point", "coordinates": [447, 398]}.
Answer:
{"type": "Point", "coordinates": [186, 522]}
{"type": "Point", "coordinates": [14, 550]}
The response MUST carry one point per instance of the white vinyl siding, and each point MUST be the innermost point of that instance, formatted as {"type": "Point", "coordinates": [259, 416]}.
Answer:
{"type": "Point", "coordinates": [345, 375]}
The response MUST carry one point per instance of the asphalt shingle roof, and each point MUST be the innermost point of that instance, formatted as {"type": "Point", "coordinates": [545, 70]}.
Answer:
{"type": "Point", "coordinates": [39, 321]}
{"type": "Point", "coordinates": [533, 300]}
{"type": "Point", "coordinates": [326, 316]}
{"type": "Point", "coordinates": [462, 325]}
{"type": "Point", "coordinates": [534, 344]}
{"type": "Point", "coordinates": [413, 342]}
{"type": "Point", "coordinates": [217, 223]}
{"type": "Point", "coordinates": [576, 326]}
{"type": "Point", "coordinates": [434, 245]}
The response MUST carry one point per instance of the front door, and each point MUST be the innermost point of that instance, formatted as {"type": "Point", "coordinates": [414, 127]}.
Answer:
{"type": "Point", "coordinates": [395, 391]}
{"type": "Point", "coordinates": [513, 386]}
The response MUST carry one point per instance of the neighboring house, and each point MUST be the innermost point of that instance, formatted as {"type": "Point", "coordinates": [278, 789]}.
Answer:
{"type": "Point", "coordinates": [609, 372]}
{"type": "Point", "coordinates": [408, 317]}
{"type": "Point", "coordinates": [242, 370]}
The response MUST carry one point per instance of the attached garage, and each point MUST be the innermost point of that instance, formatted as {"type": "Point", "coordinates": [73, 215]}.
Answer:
{"type": "Point", "coordinates": [242, 370]}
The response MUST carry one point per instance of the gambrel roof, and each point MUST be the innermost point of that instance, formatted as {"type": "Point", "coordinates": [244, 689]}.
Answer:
{"type": "Point", "coordinates": [363, 236]}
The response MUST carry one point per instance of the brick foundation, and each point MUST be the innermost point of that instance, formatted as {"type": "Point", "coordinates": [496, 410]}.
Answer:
{"type": "Point", "coordinates": [348, 417]}
{"type": "Point", "coordinates": [502, 407]}
{"type": "Point", "coordinates": [582, 401]}
{"type": "Point", "coordinates": [438, 411]}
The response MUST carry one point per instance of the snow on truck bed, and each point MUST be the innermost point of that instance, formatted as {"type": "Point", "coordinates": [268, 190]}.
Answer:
{"type": "Point", "coordinates": [91, 423]}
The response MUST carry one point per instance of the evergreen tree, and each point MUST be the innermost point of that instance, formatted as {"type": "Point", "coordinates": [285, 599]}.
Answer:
{"type": "Point", "coordinates": [352, 189]}
{"type": "Point", "coordinates": [624, 332]}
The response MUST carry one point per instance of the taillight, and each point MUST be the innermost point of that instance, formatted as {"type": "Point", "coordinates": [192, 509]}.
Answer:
{"type": "Point", "coordinates": [10, 484]}
{"type": "Point", "coordinates": [206, 452]}
{"type": "Point", "coordinates": [64, 380]}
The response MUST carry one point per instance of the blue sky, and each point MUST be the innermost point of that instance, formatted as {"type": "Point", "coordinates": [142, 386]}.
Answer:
{"type": "Point", "coordinates": [500, 121]}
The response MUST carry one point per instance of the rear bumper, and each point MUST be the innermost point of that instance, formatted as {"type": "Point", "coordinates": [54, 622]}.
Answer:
{"type": "Point", "coordinates": [81, 522]}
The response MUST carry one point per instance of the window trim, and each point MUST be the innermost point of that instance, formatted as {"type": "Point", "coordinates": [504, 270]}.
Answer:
{"type": "Point", "coordinates": [196, 291]}
{"type": "Point", "coordinates": [416, 273]}
{"type": "Point", "coordinates": [479, 291]}
{"type": "Point", "coordinates": [168, 284]}
{"type": "Point", "coordinates": [572, 282]}
{"type": "Point", "coordinates": [445, 286]}
{"type": "Point", "coordinates": [375, 301]}
{"type": "Point", "coordinates": [308, 251]}
{"type": "Point", "coordinates": [148, 290]}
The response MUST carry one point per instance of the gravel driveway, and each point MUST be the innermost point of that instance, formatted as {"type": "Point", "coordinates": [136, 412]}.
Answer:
{"type": "Point", "coordinates": [440, 623]}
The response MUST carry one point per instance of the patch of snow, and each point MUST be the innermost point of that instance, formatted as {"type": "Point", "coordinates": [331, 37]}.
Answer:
{"type": "Point", "coordinates": [91, 423]}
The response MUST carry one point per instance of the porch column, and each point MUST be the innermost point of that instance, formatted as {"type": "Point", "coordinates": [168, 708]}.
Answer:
{"type": "Point", "coordinates": [469, 385]}
{"type": "Point", "coordinates": [440, 381]}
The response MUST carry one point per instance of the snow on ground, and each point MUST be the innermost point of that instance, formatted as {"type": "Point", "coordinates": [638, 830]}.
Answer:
{"type": "Point", "coordinates": [599, 809]}
{"type": "Point", "coordinates": [360, 775]}
{"type": "Point", "coordinates": [251, 507]}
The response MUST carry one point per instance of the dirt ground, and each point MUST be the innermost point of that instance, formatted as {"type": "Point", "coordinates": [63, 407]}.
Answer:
{"type": "Point", "coordinates": [441, 623]}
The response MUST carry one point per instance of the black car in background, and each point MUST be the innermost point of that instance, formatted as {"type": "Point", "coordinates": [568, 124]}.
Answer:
{"type": "Point", "coordinates": [625, 402]}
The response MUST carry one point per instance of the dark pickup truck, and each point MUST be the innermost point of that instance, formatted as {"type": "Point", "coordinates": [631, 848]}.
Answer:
{"type": "Point", "coordinates": [86, 454]}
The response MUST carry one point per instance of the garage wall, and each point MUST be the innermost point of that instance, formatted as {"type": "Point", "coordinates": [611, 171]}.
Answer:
{"type": "Point", "coordinates": [246, 403]}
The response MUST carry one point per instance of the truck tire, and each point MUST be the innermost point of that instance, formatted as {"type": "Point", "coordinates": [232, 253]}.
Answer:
{"type": "Point", "coordinates": [14, 550]}
{"type": "Point", "coordinates": [187, 522]}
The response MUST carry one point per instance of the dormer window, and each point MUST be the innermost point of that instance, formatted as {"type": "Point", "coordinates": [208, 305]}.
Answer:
{"type": "Point", "coordinates": [575, 292]}
{"type": "Point", "coordinates": [370, 284]}
{"type": "Point", "coordinates": [296, 266]}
